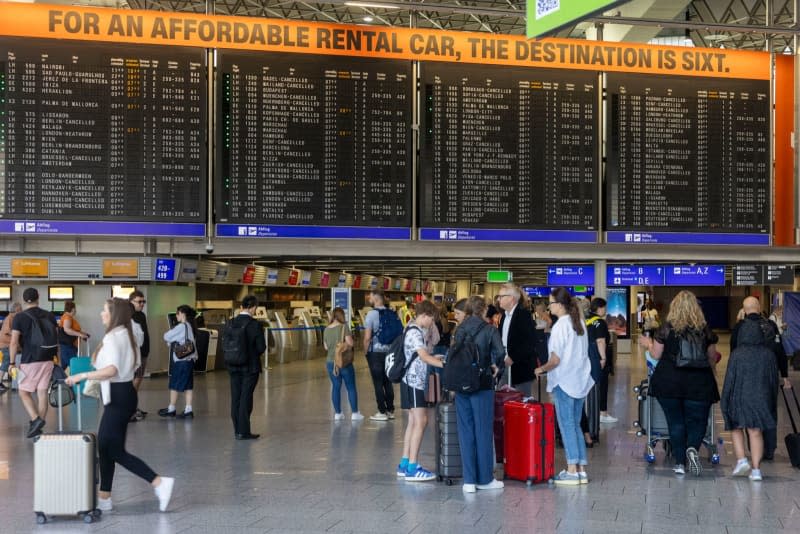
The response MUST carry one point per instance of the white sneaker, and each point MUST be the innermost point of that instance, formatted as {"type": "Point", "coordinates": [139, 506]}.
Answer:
{"type": "Point", "coordinates": [608, 419]}
{"type": "Point", "coordinates": [493, 485]}
{"type": "Point", "coordinates": [379, 417]}
{"type": "Point", "coordinates": [679, 469]}
{"type": "Point", "coordinates": [742, 468]}
{"type": "Point", "coordinates": [755, 476]}
{"type": "Point", "coordinates": [390, 415]}
{"type": "Point", "coordinates": [583, 476]}
{"type": "Point", "coordinates": [338, 416]}
{"type": "Point", "coordinates": [693, 458]}
{"type": "Point", "coordinates": [356, 416]}
{"type": "Point", "coordinates": [104, 505]}
{"type": "Point", "coordinates": [164, 492]}
{"type": "Point", "coordinates": [468, 488]}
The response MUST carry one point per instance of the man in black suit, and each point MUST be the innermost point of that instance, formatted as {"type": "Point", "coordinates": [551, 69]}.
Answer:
{"type": "Point", "coordinates": [519, 337]}
{"type": "Point", "coordinates": [245, 377]}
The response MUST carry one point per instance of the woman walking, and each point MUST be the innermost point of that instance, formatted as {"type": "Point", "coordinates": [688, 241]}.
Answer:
{"type": "Point", "coordinates": [181, 378]}
{"type": "Point", "coordinates": [475, 410]}
{"type": "Point", "coordinates": [685, 393]}
{"type": "Point", "coordinates": [569, 380]}
{"type": "Point", "coordinates": [115, 360]}
{"type": "Point", "coordinates": [748, 396]}
{"type": "Point", "coordinates": [338, 332]}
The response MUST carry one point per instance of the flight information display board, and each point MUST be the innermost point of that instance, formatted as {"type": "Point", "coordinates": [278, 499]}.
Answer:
{"type": "Point", "coordinates": [508, 154]}
{"type": "Point", "coordinates": [102, 139]}
{"type": "Point", "coordinates": [688, 156]}
{"type": "Point", "coordinates": [314, 146]}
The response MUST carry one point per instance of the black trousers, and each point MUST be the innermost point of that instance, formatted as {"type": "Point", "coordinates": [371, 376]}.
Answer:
{"type": "Point", "coordinates": [111, 436]}
{"type": "Point", "coordinates": [243, 385]}
{"type": "Point", "coordinates": [602, 388]}
{"type": "Point", "coordinates": [384, 391]}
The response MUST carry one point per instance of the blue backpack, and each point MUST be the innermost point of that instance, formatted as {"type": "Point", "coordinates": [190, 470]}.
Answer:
{"type": "Point", "coordinates": [389, 326]}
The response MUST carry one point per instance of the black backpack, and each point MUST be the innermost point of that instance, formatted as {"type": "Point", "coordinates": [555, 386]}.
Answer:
{"type": "Point", "coordinates": [234, 343]}
{"type": "Point", "coordinates": [692, 353]}
{"type": "Point", "coordinates": [395, 363]}
{"type": "Point", "coordinates": [389, 326]}
{"type": "Point", "coordinates": [463, 371]}
{"type": "Point", "coordinates": [44, 338]}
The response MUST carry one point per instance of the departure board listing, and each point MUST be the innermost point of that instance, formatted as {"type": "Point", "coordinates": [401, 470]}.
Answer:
{"type": "Point", "coordinates": [779, 275]}
{"type": "Point", "coordinates": [686, 238]}
{"type": "Point", "coordinates": [101, 133]}
{"type": "Point", "coordinates": [532, 236]}
{"type": "Point", "coordinates": [508, 148]}
{"type": "Point", "coordinates": [688, 155]}
{"type": "Point", "coordinates": [570, 275]}
{"type": "Point", "coordinates": [695, 275]}
{"type": "Point", "coordinates": [305, 37]}
{"type": "Point", "coordinates": [635, 275]}
{"type": "Point", "coordinates": [312, 232]}
{"type": "Point", "coordinates": [314, 140]}
{"type": "Point", "coordinates": [748, 275]}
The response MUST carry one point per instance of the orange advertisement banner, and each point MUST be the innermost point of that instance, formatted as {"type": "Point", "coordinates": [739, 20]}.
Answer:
{"type": "Point", "coordinates": [120, 268]}
{"type": "Point", "coordinates": [273, 35]}
{"type": "Point", "coordinates": [30, 267]}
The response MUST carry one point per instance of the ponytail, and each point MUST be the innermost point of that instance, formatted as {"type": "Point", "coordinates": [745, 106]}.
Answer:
{"type": "Point", "coordinates": [562, 296]}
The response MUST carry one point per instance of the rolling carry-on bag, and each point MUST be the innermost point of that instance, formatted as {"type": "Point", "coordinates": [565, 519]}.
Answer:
{"type": "Point", "coordinates": [501, 397]}
{"type": "Point", "coordinates": [448, 451]}
{"type": "Point", "coordinates": [792, 440]}
{"type": "Point", "coordinates": [65, 472]}
{"type": "Point", "coordinates": [530, 435]}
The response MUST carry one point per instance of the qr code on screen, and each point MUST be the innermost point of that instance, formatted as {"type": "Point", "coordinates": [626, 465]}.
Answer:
{"type": "Point", "coordinates": [545, 7]}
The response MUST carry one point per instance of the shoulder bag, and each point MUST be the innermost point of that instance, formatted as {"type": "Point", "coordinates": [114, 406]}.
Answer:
{"type": "Point", "coordinates": [185, 349]}
{"type": "Point", "coordinates": [343, 355]}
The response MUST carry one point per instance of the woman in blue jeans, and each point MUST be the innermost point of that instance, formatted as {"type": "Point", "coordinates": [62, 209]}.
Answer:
{"type": "Point", "coordinates": [569, 380]}
{"type": "Point", "coordinates": [337, 332]}
{"type": "Point", "coordinates": [685, 394]}
{"type": "Point", "coordinates": [475, 411]}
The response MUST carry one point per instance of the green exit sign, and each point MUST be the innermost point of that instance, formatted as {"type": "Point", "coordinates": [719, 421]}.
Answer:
{"type": "Point", "coordinates": [499, 277]}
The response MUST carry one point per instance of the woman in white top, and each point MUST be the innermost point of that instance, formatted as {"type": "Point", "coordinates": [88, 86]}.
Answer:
{"type": "Point", "coordinates": [115, 360]}
{"type": "Point", "coordinates": [181, 371]}
{"type": "Point", "coordinates": [569, 380]}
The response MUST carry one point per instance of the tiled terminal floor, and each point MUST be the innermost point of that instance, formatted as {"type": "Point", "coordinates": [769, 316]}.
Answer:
{"type": "Point", "coordinates": [309, 474]}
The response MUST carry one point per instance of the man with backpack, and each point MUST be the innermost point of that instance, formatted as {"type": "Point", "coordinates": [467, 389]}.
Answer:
{"type": "Point", "coordinates": [34, 331]}
{"type": "Point", "coordinates": [243, 343]}
{"type": "Point", "coordinates": [381, 327]}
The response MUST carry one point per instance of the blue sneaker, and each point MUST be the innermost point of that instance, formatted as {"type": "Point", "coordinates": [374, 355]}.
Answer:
{"type": "Point", "coordinates": [420, 475]}
{"type": "Point", "coordinates": [401, 471]}
{"type": "Point", "coordinates": [565, 478]}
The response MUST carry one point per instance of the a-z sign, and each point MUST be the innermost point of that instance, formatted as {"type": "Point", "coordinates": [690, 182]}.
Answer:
{"type": "Point", "coordinates": [158, 28]}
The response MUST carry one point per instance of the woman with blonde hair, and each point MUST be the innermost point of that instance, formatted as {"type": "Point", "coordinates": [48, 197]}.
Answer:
{"type": "Point", "coordinates": [115, 360]}
{"type": "Point", "coordinates": [685, 392]}
{"type": "Point", "coordinates": [339, 332]}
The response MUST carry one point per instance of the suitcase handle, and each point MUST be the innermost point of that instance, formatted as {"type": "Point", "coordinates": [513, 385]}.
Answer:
{"type": "Point", "coordinates": [60, 383]}
{"type": "Point", "coordinates": [788, 408]}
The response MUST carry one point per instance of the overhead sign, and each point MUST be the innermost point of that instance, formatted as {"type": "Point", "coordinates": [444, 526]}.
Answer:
{"type": "Point", "coordinates": [30, 267]}
{"type": "Point", "coordinates": [695, 275]}
{"type": "Point", "coordinates": [779, 275]}
{"type": "Point", "coordinates": [747, 275]}
{"type": "Point", "coordinates": [635, 275]}
{"type": "Point", "coordinates": [499, 277]}
{"type": "Point", "coordinates": [570, 275]}
{"type": "Point", "coordinates": [165, 270]}
{"type": "Point", "coordinates": [127, 268]}
{"type": "Point", "coordinates": [546, 17]}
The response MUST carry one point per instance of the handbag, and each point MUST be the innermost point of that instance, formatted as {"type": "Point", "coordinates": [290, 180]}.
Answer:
{"type": "Point", "coordinates": [343, 355]}
{"type": "Point", "coordinates": [91, 388]}
{"type": "Point", "coordinates": [185, 349]}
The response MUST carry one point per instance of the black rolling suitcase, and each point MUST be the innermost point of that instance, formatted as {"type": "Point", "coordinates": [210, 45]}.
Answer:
{"type": "Point", "coordinates": [448, 451]}
{"type": "Point", "coordinates": [592, 407]}
{"type": "Point", "coordinates": [792, 440]}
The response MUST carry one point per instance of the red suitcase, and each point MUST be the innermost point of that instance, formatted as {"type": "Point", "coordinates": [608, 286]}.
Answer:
{"type": "Point", "coordinates": [530, 435]}
{"type": "Point", "coordinates": [501, 397]}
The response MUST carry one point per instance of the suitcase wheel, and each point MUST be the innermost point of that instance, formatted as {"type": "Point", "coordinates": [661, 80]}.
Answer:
{"type": "Point", "coordinates": [440, 478]}
{"type": "Point", "coordinates": [636, 389]}
{"type": "Point", "coordinates": [529, 482]}
{"type": "Point", "coordinates": [41, 519]}
{"type": "Point", "coordinates": [449, 482]}
{"type": "Point", "coordinates": [636, 424]}
{"type": "Point", "coordinates": [88, 518]}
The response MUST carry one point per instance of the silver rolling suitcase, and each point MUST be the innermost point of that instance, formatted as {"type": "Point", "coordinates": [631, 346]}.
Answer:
{"type": "Point", "coordinates": [65, 472]}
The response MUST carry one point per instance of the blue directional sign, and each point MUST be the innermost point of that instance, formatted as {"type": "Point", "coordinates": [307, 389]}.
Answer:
{"type": "Point", "coordinates": [635, 275]}
{"type": "Point", "coordinates": [695, 275]}
{"type": "Point", "coordinates": [570, 275]}
{"type": "Point", "coordinates": [165, 269]}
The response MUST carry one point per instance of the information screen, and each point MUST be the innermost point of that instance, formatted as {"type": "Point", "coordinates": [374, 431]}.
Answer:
{"type": "Point", "coordinates": [688, 155]}
{"type": "Point", "coordinates": [507, 148]}
{"type": "Point", "coordinates": [313, 142]}
{"type": "Point", "coordinates": [101, 133]}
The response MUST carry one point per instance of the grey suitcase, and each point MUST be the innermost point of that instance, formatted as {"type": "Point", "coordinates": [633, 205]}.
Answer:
{"type": "Point", "coordinates": [65, 472]}
{"type": "Point", "coordinates": [448, 451]}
